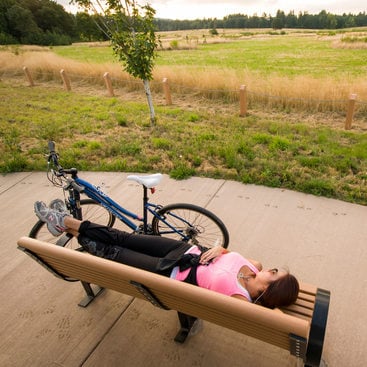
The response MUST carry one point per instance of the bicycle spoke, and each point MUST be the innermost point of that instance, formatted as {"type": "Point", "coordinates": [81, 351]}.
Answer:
{"type": "Point", "coordinates": [190, 223]}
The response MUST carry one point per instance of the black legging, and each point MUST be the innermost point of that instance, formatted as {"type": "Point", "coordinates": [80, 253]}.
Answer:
{"type": "Point", "coordinates": [141, 251]}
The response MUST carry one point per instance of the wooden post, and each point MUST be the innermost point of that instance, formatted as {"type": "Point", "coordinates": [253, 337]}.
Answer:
{"type": "Point", "coordinates": [65, 80]}
{"type": "Point", "coordinates": [167, 92]}
{"type": "Point", "coordinates": [108, 82]}
{"type": "Point", "coordinates": [243, 101]}
{"type": "Point", "coordinates": [350, 111]}
{"type": "Point", "coordinates": [29, 76]}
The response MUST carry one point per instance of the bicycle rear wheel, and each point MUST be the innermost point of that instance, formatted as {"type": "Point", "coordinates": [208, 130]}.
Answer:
{"type": "Point", "coordinates": [90, 210]}
{"type": "Point", "coordinates": [190, 223]}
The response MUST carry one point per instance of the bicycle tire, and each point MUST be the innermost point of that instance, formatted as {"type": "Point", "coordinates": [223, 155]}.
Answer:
{"type": "Point", "coordinates": [91, 210]}
{"type": "Point", "coordinates": [199, 225]}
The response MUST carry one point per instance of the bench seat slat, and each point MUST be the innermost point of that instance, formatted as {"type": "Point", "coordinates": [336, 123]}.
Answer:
{"type": "Point", "coordinates": [306, 297]}
{"type": "Point", "coordinates": [308, 289]}
{"type": "Point", "coordinates": [299, 310]}
{"type": "Point", "coordinates": [302, 303]}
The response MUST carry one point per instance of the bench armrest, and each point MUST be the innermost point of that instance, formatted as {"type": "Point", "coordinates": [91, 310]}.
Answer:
{"type": "Point", "coordinates": [318, 328]}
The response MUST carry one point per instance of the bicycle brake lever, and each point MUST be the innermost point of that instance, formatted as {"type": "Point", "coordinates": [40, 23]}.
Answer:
{"type": "Point", "coordinates": [57, 173]}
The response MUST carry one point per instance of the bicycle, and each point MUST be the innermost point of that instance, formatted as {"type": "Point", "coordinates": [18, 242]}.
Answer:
{"type": "Point", "coordinates": [182, 221]}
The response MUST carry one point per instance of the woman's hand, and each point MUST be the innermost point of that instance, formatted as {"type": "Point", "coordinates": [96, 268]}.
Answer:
{"type": "Point", "coordinates": [211, 254]}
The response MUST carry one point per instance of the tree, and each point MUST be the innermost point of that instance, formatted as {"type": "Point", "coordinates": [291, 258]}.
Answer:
{"type": "Point", "coordinates": [331, 21]}
{"type": "Point", "coordinates": [22, 25]}
{"type": "Point", "coordinates": [52, 17]}
{"type": "Point", "coordinates": [4, 6]}
{"type": "Point", "coordinates": [86, 28]}
{"type": "Point", "coordinates": [291, 20]}
{"type": "Point", "coordinates": [130, 28]}
{"type": "Point", "coordinates": [41, 22]}
{"type": "Point", "coordinates": [277, 23]}
{"type": "Point", "coordinates": [279, 20]}
{"type": "Point", "coordinates": [350, 22]}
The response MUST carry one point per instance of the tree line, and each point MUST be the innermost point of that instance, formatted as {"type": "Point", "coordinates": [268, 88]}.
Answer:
{"type": "Point", "coordinates": [44, 22]}
{"type": "Point", "coordinates": [302, 20]}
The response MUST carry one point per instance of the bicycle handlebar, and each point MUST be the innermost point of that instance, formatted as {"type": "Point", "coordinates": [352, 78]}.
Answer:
{"type": "Point", "coordinates": [53, 158]}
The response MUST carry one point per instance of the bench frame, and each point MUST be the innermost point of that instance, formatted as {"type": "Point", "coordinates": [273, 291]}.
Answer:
{"type": "Point", "coordinates": [305, 335]}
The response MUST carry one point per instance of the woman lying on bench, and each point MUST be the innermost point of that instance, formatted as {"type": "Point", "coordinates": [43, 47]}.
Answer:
{"type": "Point", "coordinates": [213, 268]}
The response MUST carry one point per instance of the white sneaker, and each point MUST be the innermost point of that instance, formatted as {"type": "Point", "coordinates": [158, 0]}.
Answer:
{"type": "Point", "coordinates": [58, 205]}
{"type": "Point", "coordinates": [53, 218]}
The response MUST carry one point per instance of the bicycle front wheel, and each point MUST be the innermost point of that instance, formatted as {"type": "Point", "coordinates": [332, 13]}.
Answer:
{"type": "Point", "coordinates": [91, 211]}
{"type": "Point", "coordinates": [190, 223]}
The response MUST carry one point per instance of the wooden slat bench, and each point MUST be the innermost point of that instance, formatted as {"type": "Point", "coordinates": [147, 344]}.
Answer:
{"type": "Point", "coordinates": [300, 328]}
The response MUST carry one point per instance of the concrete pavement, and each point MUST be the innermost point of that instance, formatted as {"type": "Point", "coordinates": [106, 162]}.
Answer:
{"type": "Point", "coordinates": [322, 241]}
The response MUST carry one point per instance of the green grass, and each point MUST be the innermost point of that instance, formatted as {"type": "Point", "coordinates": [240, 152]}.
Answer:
{"type": "Point", "coordinates": [280, 55]}
{"type": "Point", "coordinates": [103, 134]}
{"type": "Point", "coordinates": [85, 52]}
{"type": "Point", "coordinates": [285, 56]}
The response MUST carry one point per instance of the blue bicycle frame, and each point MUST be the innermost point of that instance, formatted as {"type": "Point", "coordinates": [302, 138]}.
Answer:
{"type": "Point", "coordinates": [96, 194]}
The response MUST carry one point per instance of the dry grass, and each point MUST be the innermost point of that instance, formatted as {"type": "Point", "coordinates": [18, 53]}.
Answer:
{"type": "Point", "coordinates": [298, 93]}
{"type": "Point", "coordinates": [357, 40]}
{"type": "Point", "coordinates": [45, 65]}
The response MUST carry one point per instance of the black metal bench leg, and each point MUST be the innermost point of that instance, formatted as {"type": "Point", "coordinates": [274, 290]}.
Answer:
{"type": "Point", "coordinates": [186, 322]}
{"type": "Point", "coordinates": [90, 294]}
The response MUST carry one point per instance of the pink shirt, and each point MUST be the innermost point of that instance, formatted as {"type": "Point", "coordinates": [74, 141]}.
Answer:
{"type": "Point", "coordinates": [221, 275]}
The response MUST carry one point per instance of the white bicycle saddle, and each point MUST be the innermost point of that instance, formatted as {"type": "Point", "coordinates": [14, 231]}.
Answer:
{"type": "Point", "coordinates": [149, 181]}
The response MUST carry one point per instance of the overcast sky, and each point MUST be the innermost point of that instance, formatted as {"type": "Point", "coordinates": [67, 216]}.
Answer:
{"type": "Point", "coordinates": [199, 9]}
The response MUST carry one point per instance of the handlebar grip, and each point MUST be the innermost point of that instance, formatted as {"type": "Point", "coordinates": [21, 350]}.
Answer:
{"type": "Point", "coordinates": [51, 146]}
{"type": "Point", "coordinates": [53, 156]}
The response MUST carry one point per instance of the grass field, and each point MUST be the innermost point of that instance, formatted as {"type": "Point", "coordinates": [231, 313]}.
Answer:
{"type": "Point", "coordinates": [259, 61]}
{"type": "Point", "coordinates": [309, 70]}
{"type": "Point", "coordinates": [280, 55]}
{"type": "Point", "coordinates": [302, 150]}
{"type": "Point", "coordinates": [103, 134]}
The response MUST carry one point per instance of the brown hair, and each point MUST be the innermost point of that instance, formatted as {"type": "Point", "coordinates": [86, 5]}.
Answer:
{"type": "Point", "coordinates": [280, 293]}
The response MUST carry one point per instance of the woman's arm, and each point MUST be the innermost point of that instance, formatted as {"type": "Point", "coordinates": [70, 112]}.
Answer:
{"type": "Point", "coordinates": [212, 254]}
{"type": "Point", "coordinates": [219, 250]}
{"type": "Point", "coordinates": [242, 298]}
